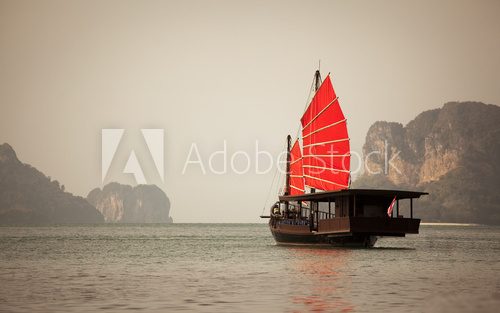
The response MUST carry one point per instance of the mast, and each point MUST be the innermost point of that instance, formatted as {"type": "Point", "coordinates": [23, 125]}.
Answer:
{"type": "Point", "coordinates": [317, 80]}
{"type": "Point", "coordinates": [317, 84]}
{"type": "Point", "coordinates": [288, 157]}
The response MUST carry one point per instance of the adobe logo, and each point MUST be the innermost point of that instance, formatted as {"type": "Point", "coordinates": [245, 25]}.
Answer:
{"type": "Point", "coordinates": [111, 138]}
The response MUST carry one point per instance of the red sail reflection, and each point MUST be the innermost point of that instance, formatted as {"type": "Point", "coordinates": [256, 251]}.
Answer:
{"type": "Point", "coordinates": [325, 287]}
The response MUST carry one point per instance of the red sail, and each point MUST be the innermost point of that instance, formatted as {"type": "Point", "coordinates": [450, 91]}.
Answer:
{"type": "Point", "coordinates": [325, 141]}
{"type": "Point", "coordinates": [296, 173]}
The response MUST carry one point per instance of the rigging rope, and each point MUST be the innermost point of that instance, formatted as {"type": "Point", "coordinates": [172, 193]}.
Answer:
{"type": "Point", "coordinates": [280, 178]}
{"type": "Point", "coordinates": [305, 106]}
{"type": "Point", "coordinates": [272, 184]}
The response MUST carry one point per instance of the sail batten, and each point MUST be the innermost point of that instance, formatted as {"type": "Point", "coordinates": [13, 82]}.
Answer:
{"type": "Point", "coordinates": [326, 146]}
{"type": "Point", "coordinates": [323, 128]}
{"type": "Point", "coordinates": [327, 155]}
{"type": "Point", "coordinates": [315, 117]}
{"type": "Point", "coordinates": [326, 168]}
{"type": "Point", "coordinates": [325, 142]}
{"type": "Point", "coordinates": [295, 161]}
{"type": "Point", "coordinates": [296, 188]}
{"type": "Point", "coordinates": [323, 180]}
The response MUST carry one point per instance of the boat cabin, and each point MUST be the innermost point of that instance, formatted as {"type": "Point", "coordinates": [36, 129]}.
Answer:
{"type": "Point", "coordinates": [350, 211]}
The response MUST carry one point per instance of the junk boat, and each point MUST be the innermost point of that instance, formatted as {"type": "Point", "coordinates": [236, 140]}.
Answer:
{"type": "Point", "coordinates": [330, 212]}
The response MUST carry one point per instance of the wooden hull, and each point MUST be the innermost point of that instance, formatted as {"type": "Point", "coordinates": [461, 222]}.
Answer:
{"type": "Point", "coordinates": [302, 235]}
{"type": "Point", "coordinates": [344, 231]}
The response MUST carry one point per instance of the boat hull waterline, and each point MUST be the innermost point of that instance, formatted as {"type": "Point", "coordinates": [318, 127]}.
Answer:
{"type": "Point", "coordinates": [312, 239]}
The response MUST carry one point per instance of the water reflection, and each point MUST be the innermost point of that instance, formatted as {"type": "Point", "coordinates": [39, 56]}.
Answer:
{"type": "Point", "coordinates": [323, 287]}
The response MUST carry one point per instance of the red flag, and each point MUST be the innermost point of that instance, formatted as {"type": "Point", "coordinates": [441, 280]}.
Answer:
{"type": "Point", "coordinates": [389, 210]}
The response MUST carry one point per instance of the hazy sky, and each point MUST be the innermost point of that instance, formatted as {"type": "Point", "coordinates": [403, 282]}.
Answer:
{"type": "Point", "coordinates": [239, 71]}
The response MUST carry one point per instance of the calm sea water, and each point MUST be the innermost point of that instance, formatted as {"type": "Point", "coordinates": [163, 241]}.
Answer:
{"type": "Point", "coordinates": [238, 268]}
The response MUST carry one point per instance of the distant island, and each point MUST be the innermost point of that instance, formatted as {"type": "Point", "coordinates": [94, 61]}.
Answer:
{"type": "Point", "coordinates": [127, 204]}
{"type": "Point", "coordinates": [28, 197]}
{"type": "Point", "coordinates": [453, 153]}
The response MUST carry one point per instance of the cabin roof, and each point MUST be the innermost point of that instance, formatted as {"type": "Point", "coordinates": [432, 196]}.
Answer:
{"type": "Point", "coordinates": [331, 195]}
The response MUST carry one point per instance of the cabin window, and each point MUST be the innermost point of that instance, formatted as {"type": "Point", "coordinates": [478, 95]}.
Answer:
{"type": "Point", "coordinates": [371, 206]}
{"type": "Point", "coordinates": [331, 209]}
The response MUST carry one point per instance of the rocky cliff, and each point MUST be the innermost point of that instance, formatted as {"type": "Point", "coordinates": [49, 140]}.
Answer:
{"type": "Point", "coordinates": [453, 153]}
{"type": "Point", "coordinates": [127, 204]}
{"type": "Point", "coordinates": [27, 196]}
